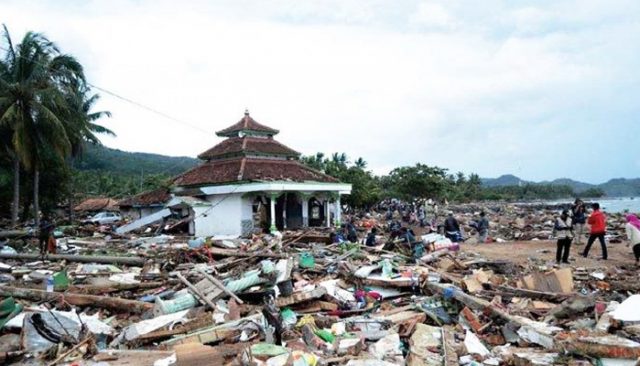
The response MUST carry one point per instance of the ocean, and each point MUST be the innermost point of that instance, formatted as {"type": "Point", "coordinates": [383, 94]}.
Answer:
{"type": "Point", "coordinates": [613, 205]}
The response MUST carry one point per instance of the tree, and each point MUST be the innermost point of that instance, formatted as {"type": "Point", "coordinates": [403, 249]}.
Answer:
{"type": "Point", "coordinates": [418, 181]}
{"type": "Point", "coordinates": [37, 83]}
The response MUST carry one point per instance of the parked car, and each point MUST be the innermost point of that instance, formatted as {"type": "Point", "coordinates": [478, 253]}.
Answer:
{"type": "Point", "coordinates": [103, 218]}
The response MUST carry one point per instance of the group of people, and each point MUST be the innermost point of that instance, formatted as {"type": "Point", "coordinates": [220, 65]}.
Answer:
{"type": "Point", "coordinates": [570, 225]}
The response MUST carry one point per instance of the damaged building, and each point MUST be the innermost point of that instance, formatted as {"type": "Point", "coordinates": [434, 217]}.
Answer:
{"type": "Point", "coordinates": [250, 182]}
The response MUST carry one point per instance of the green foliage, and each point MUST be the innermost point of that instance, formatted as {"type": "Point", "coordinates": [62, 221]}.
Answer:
{"type": "Point", "coordinates": [98, 183]}
{"type": "Point", "coordinates": [102, 158]}
{"type": "Point", "coordinates": [366, 190]}
{"type": "Point", "coordinates": [423, 181]}
{"type": "Point", "coordinates": [527, 192]}
{"type": "Point", "coordinates": [419, 181]}
{"type": "Point", "coordinates": [592, 193]}
{"type": "Point", "coordinates": [45, 118]}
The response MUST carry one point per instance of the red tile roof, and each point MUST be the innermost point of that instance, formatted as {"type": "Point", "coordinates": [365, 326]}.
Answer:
{"type": "Point", "coordinates": [248, 144]}
{"type": "Point", "coordinates": [149, 198]}
{"type": "Point", "coordinates": [97, 204]}
{"type": "Point", "coordinates": [250, 169]}
{"type": "Point", "coordinates": [247, 124]}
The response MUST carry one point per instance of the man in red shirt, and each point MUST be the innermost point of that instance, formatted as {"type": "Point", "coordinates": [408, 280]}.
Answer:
{"type": "Point", "coordinates": [598, 223]}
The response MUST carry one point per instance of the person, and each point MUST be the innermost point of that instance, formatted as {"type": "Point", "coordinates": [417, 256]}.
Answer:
{"type": "Point", "coordinates": [452, 228]}
{"type": "Point", "coordinates": [44, 234]}
{"type": "Point", "coordinates": [562, 230]}
{"type": "Point", "coordinates": [352, 234]}
{"type": "Point", "coordinates": [579, 218]}
{"type": "Point", "coordinates": [633, 235]}
{"type": "Point", "coordinates": [421, 216]}
{"type": "Point", "coordinates": [371, 238]}
{"type": "Point", "coordinates": [483, 228]}
{"type": "Point", "coordinates": [598, 222]}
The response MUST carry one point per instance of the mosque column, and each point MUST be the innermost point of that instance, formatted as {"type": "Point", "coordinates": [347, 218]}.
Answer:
{"type": "Point", "coordinates": [273, 197]}
{"type": "Point", "coordinates": [338, 211]}
{"type": "Point", "coordinates": [305, 208]}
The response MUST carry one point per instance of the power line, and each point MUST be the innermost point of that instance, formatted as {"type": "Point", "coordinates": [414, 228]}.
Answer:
{"type": "Point", "coordinates": [128, 100]}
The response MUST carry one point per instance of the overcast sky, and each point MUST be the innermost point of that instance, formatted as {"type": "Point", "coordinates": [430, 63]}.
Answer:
{"type": "Point", "coordinates": [539, 89]}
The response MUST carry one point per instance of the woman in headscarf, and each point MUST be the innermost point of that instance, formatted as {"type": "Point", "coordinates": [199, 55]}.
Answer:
{"type": "Point", "coordinates": [633, 234]}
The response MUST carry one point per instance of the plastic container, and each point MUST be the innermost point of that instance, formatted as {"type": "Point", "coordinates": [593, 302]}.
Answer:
{"type": "Point", "coordinates": [49, 283]}
{"type": "Point", "coordinates": [186, 301]}
{"type": "Point", "coordinates": [387, 268]}
{"type": "Point", "coordinates": [307, 260]}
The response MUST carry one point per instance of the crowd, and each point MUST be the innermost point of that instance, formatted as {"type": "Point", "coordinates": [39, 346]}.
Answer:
{"type": "Point", "coordinates": [400, 219]}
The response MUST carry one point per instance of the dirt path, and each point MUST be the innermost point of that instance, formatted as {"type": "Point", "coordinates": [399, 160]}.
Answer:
{"type": "Point", "coordinates": [521, 251]}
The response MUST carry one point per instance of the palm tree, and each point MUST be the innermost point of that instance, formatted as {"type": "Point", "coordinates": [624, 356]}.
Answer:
{"type": "Point", "coordinates": [36, 79]}
{"type": "Point", "coordinates": [81, 127]}
{"type": "Point", "coordinates": [360, 163]}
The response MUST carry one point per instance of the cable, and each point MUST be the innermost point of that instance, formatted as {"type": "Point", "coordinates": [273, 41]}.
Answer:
{"type": "Point", "coordinates": [149, 109]}
{"type": "Point", "coordinates": [128, 100]}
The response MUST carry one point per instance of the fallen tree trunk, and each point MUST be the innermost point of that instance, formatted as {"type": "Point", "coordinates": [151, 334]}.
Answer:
{"type": "Point", "coordinates": [132, 261]}
{"type": "Point", "coordinates": [105, 302]}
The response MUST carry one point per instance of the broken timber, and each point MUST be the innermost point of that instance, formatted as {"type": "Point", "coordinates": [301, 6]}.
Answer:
{"type": "Point", "coordinates": [132, 261]}
{"type": "Point", "coordinates": [486, 307]}
{"type": "Point", "coordinates": [104, 302]}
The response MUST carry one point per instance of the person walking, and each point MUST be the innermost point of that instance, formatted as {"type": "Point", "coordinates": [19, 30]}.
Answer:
{"type": "Point", "coordinates": [633, 235]}
{"type": "Point", "coordinates": [562, 230]}
{"type": "Point", "coordinates": [483, 228]}
{"type": "Point", "coordinates": [578, 218]}
{"type": "Point", "coordinates": [598, 223]}
{"type": "Point", "coordinates": [44, 234]}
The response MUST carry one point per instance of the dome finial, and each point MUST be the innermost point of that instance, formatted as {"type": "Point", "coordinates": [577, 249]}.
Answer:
{"type": "Point", "coordinates": [246, 111]}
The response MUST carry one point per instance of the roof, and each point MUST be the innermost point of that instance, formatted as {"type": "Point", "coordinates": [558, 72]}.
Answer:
{"type": "Point", "coordinates": [148, 198]}
{"type": "Point", "coordinates": [248, 144]}
{"type": "Point", "coordinates": [250, 169]}
{"type": "Point", "coordinates": [247, 124]}
{"type": "Point", "coordinates": [97, 204]}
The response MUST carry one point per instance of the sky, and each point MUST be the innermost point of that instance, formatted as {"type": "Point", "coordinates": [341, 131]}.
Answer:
{"type": "Point", "coordinates": [539, 89]}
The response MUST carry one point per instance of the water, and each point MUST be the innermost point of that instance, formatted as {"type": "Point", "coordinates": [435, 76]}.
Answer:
{"type": "Point", "coordinates": [621, 204]}
{"type": "Point", "coordinates": [613, 205]}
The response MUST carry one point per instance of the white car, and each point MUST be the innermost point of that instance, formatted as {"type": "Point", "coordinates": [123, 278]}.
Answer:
{"type": "Point", "coordinates": [103, 218]}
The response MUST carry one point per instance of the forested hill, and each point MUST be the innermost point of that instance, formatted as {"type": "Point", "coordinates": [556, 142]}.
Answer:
{"type": "Point", "coordinates": [114, 161]}
{"type": "Point", "coordinates": [619, 187]}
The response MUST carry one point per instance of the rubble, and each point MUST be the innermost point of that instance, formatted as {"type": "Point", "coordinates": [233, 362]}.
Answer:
{"type": "Point", "coordinates": [296, 299]}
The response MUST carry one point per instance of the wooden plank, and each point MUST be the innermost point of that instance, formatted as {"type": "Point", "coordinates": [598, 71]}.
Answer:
{"type": "Point", "coordinates": [220, 285]}
{"type": "Point", "coordinates": [104, 302]}
{"type": "Point", "coordinates": [196, 291]}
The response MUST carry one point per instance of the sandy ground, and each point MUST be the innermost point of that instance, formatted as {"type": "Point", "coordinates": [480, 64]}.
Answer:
{"type": "Point", "coordinates": [619, 253]}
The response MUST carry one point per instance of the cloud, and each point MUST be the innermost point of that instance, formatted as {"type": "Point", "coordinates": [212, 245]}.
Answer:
{"type": "Point", "coordinates": [538, 89]}
{"type": "Point", "coordinates": [431, 16]}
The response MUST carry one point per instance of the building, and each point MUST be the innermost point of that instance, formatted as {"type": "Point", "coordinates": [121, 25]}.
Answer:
{"type": "Point", "coordinates": [250, 182]}
{"type": "Point", "coordinates": [144, 204]}
{"type": "Point", "coordinates": [95, 205]}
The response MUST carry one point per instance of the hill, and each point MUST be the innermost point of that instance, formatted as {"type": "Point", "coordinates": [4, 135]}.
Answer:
{"type": "Point", "coordinates": [102, 158]}
{"type": "Point", "coordinates": [619, 187]}
{"type": "Point", "coordinates": [503, 180]}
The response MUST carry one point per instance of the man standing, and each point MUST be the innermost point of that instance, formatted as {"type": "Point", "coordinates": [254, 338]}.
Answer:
{"type": "Point", "coordinates": [562, 232]}
{"type": "Point", "coordinates": [483, 228]}
{"type": "Point", "coordinates": [598, 223]}
{"type": "Point", "coordinates": [578, 218]}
